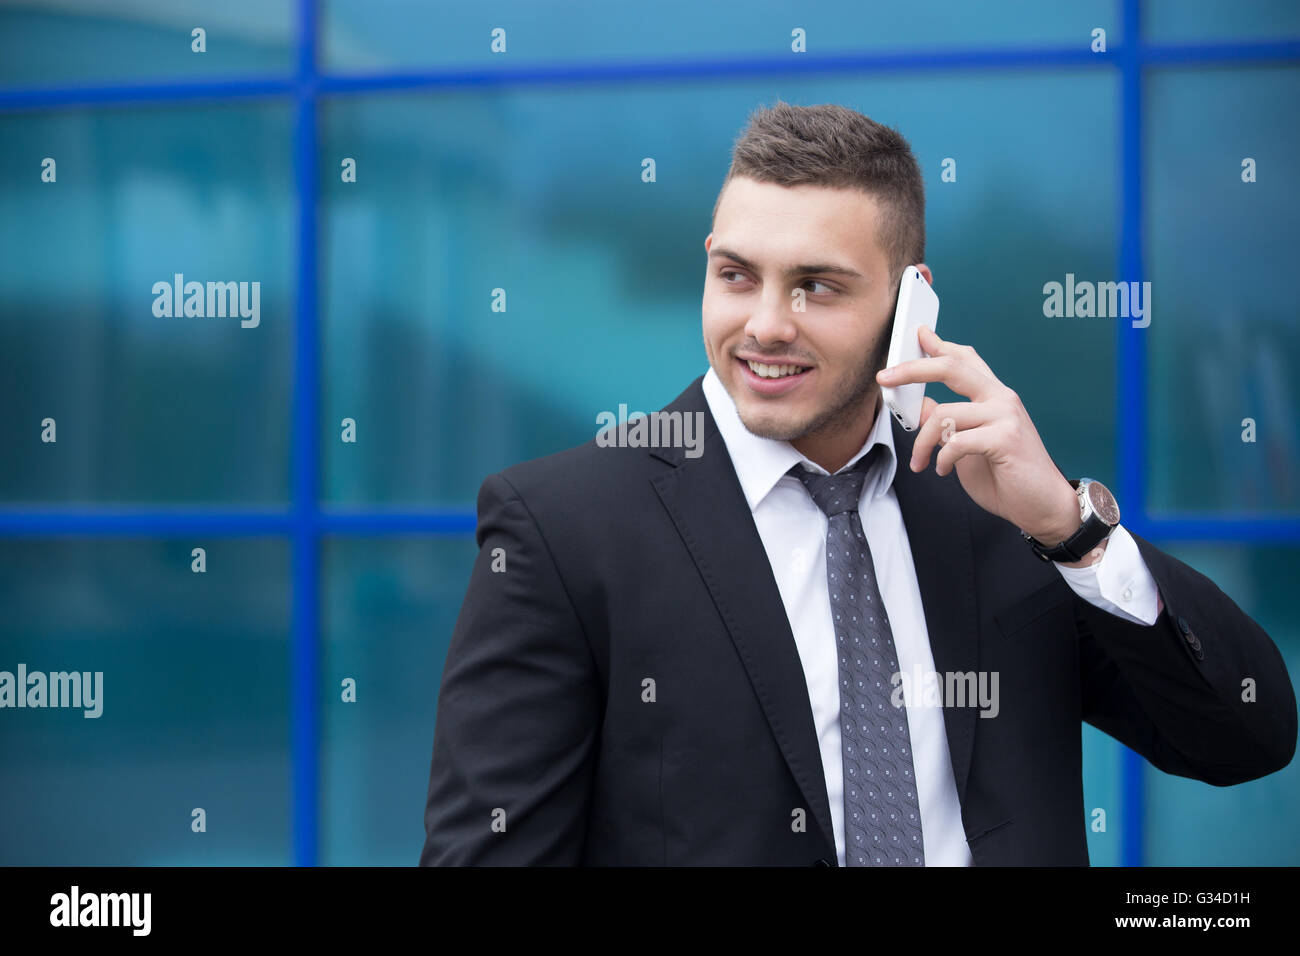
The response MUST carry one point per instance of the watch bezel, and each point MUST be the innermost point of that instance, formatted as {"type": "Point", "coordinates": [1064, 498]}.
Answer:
{"type": "Point", "coordinates": [1100, 501]}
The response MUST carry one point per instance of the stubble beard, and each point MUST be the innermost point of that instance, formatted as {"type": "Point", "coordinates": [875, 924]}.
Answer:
{"type": "Point", "coordinates": [845, 409]}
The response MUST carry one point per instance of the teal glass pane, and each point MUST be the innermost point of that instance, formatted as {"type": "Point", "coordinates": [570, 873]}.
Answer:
{"type": "Point", "coordinates": [539, 193]}
{"type": "Point", "coordinates": [1213, 21]}
{"type": "Point", "coordinates": [193, 701]}
{"type": "Point", "coordinates": [45, 44]}
{"type": "Point", "coordinates": [1189, 823]}
{"type": "Point", "coordinates": [1103, 791]}
{"type": "Point", "coordinates": [1223, 345]}
{"type": "Point", "coordinates": [364, 35]}
{"type": "Point", "coordinates": [146, 408]}
{"type": "Point", "coordinates": [388, 617]}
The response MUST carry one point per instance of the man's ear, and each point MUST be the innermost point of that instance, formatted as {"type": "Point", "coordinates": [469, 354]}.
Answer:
{"type": "Point", "coordinates": [922, 268]}
{"type": "Point", "coordinates": [708, 241]}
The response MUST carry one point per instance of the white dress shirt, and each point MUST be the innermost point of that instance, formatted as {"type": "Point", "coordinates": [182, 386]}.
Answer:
{"type": "Point", "coordinates": [793, 531]}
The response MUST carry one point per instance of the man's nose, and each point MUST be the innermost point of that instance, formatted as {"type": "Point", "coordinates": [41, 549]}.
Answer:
{"type": "Point", "coordinates": [773, 319]}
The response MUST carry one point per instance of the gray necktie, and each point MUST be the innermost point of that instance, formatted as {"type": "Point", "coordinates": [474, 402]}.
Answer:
{"type": "Point", "coordinates": [882, 816]}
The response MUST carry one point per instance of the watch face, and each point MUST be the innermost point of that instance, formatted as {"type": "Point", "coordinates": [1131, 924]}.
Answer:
{"type": "Point", "coordinates": [1103, 503]}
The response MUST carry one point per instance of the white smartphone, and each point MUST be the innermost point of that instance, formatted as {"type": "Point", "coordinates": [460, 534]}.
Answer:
{"type": "Point", "coordinates": [917, 306]}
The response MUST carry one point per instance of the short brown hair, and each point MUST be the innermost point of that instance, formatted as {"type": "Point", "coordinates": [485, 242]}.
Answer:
{"type": "Point", "coordinates": [829, 145]}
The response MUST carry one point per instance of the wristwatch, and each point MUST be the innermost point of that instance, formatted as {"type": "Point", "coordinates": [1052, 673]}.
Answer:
{"type": "Point", "coordinates": [1099, 515]}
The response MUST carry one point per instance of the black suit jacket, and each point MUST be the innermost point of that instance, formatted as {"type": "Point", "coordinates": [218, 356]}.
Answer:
{"type": "Point", "coordinates": [626, 566]}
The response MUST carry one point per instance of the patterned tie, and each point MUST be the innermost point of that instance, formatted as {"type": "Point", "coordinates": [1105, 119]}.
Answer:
{"type": "Point", "coordinates": [882, 816]}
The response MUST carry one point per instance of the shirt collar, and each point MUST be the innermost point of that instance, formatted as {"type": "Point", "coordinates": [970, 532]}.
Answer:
{"type": "Point", "coordinates": [761, 462]}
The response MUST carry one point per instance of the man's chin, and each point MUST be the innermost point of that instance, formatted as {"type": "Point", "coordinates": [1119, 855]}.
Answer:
{"type": "Point", "coordinates": [778, 428]}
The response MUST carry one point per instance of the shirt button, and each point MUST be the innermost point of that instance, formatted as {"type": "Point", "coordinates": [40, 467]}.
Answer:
{"type": "Point", "coordinates": [1127, 595]}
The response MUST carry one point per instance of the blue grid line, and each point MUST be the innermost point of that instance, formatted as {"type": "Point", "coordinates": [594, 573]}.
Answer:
{"type": "Point", "coordinates": [929, 61]}
{"type": "Point", "coordinates": [1210, 54]}
{"type": "Point", "coordinates": [455, 522]}
{"type": "Point", "coordinates": [130, 94]}
{"type": "Point", "coordinates": [1246, 529]}
{"type": "Point", "coordinates": [112, 521]}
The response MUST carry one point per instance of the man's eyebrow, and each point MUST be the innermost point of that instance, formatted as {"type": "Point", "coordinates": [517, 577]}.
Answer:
{"type": "Point", "coordinates": [811, 269]}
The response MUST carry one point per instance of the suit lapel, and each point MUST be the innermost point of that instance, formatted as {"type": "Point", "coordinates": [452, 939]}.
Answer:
{"type": "Point", "coordinates": [936, 515]}
{"type": "Point", "coordinates": [705, 501]}
{"type": "Point", "coordinates": [704, 498]}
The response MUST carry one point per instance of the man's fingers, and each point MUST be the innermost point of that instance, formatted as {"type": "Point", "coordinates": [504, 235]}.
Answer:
{"type": "Point", "coordinates": [933, 344]}
{"type": "Point", "coordinates": [972, 441]}
{"type": "Point", "coordinates": [942, 425]}
{"type": "Point", "coordinates": [963, 376]}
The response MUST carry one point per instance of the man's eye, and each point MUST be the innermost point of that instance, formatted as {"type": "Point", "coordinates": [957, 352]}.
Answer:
{"type": "Point", "coordinates": [822, 284]}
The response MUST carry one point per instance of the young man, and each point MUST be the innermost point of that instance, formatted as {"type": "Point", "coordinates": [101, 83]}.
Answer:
{"type": "Point", "coordinates": [800, 644]}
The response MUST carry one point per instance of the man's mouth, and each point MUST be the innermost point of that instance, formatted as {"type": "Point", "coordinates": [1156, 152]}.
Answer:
{"type": "Point", "coordinates": [772, 379]}
{"type": "Point", "coordinates": [763, 370]}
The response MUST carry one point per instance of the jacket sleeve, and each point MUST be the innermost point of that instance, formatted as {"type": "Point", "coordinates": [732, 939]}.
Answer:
{"type": "Point", "coordinates": [1119, 583]}
{"type": "Point", "coordinates": [519, 707]}
{"type": "Point", "coordinates": [1202, 693]}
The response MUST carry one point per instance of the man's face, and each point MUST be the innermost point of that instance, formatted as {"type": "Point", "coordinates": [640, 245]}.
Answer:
{"type": "Point", "coordinates": [769, 241]}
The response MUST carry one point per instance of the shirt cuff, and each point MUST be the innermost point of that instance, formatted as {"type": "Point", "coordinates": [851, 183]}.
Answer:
{"type": "Point", "coordinates": [1119, 582]}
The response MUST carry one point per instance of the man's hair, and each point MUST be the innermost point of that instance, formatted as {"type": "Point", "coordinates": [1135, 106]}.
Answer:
{"type": "Point", "coordinates": [829, 145]}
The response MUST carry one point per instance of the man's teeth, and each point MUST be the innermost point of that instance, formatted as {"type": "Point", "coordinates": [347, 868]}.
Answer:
{"type": "Point", "coordinates": [774, 371]}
